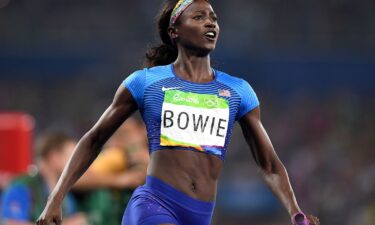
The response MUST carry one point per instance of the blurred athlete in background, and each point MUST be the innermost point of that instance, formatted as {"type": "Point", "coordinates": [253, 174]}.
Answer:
{"type": "Point", "coordinates": [189, 110]}
{"type": "Point", "coordinates": [110, 181]}
{"type": "Point", "coordinates": [123, 161]}
{"type": "Point", "coordinates": [25, 197]}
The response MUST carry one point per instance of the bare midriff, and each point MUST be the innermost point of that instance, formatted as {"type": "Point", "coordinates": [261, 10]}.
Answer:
{"type": "Point", "coordinates": [192, 173]}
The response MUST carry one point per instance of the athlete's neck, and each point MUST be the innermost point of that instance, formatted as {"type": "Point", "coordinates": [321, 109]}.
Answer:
{"type": "Point", "coordinates": [193, 68]}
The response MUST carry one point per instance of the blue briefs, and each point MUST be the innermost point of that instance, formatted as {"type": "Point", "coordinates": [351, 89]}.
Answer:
{"type": "Point", "coordinates": [157, 202]}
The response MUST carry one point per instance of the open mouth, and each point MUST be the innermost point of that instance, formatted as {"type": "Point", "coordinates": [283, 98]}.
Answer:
{"type": "Point", "coordinates": [211, 35]}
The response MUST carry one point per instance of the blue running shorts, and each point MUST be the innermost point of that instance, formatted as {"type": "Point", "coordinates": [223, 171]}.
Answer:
{"type": "Point", "coordinates": [157, 202]}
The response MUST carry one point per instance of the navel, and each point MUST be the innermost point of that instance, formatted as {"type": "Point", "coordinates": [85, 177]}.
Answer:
{"type": "Point", "coordinates": [193, 187]}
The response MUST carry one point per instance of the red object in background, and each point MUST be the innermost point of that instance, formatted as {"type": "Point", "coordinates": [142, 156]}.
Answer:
{"type": "Point", "coordinates": [16, 134]}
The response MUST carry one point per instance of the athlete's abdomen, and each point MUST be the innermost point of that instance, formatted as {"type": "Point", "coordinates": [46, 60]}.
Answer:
{"type": "Point", "coordinates": [192, 173]}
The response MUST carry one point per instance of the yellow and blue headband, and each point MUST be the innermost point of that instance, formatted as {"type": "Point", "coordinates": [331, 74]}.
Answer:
{"type": "Point", "coordinates": [180, 7]}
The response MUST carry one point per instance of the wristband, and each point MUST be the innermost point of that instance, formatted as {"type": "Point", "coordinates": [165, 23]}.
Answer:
{"type": "Point", "coordinates": [300, 218]}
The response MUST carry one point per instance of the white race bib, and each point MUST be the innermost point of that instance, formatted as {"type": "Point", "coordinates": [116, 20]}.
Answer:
{"type": "Point", "coordinates": [193, 120]}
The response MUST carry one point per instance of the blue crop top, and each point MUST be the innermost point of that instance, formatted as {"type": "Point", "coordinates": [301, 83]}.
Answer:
{"type": "Point", "coordinates": [180, 114]}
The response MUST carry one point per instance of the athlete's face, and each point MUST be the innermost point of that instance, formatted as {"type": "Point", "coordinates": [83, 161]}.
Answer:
{"type": "Point", "coordinates": [198, 28]}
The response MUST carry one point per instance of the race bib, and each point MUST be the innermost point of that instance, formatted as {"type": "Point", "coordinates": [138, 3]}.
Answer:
{"type": "Point", "coordinates": [193, 120]}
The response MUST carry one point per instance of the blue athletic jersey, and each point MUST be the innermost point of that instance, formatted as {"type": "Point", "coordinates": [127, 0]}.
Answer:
{"type": "Point", "coordinates": [180, 114]}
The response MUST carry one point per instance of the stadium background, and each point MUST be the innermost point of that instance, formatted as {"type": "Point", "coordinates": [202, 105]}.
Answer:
{"type": "Point", "coordinates": [312, 64]}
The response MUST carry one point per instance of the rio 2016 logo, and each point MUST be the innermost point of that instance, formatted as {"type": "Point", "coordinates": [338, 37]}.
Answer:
{"type": "Point", "coordinates": [191, 99]}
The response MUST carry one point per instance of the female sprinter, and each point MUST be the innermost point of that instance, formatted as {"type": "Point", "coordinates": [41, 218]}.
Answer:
{"type": "Point", "coordinates": [189, 110]}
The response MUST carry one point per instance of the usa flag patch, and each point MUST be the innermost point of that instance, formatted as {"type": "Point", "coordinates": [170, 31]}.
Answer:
{"type": "Point", "coordinates": [224, 93]}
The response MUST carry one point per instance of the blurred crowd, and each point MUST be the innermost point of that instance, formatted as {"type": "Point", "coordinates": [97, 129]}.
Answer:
{"type": "Point", "coordinates": [255, 25]}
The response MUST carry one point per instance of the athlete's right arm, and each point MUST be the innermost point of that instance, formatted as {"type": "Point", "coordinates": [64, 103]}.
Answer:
{"type": "Point", "coordinates": [87, 149]}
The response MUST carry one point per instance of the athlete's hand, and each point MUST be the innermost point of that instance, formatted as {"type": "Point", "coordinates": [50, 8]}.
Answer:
{"type": "Point", "coordinates": [302, 219]}
{"type": "Point", "coordinates": [52, 213]}
{"type": "Point", "coordinates": [313, 220]}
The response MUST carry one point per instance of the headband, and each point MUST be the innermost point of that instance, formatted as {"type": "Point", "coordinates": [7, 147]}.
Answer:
{"type": "Point", "coordinates": [180, 7]}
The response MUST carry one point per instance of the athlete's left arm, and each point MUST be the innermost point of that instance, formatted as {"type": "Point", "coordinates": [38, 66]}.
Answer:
{"type": "Point", "coordinates": [271, 168]}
